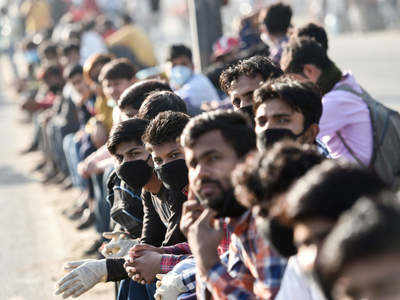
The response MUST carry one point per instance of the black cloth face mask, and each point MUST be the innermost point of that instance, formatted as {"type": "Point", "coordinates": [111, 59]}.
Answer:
{"type": "Point", "coordinates": [136, 173]}
{"type": "Point", "coordinates": [268, 137]}
{"type": "Point", "coordinates": [174, 175]}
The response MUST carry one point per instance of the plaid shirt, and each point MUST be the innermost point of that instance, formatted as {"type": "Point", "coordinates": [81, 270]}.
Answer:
{"type": "Point", "coordinates": [254, 269]}
{"type": "Point", "coordinates": [175, 254]}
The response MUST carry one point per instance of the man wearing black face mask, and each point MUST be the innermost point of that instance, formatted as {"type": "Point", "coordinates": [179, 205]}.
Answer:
{"type": "Point", "coordinates": [240, 80]}
{"type": "Point", "coordinates": [288, 109]}
{"type": "Point", "coordinates": [214, 144]}
{"type": "Point", "coordinates": [162, 209]}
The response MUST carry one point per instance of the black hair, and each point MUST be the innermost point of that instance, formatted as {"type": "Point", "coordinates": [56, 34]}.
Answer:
{"type": "Point", "coordinates": [316, 32]}
{"type": "Point", "coordinates": [304, 50]}
{"type": "Point", "coordinates": [278, 18]}
{"type": "Point", "coordinates": [73, 70]}
{"type": "Point", "coordinates": [120, 68]}
{"type": "Point", "coordinates": [158, 102]}
{"type": "Point", "coordinates": [266, 175]}
{"type": "Point", "coordinates": [370, 229]}
{"type": "Point", "coordinates": [253, 66]}
{"type": "Point", "coordinates": [52, 70]}
{"type": "Point", "coordinates": [235, 128]}
{"type": "Point", "coordinates": [179, 50]}
{"type": "Point", "coordinates": [166, 127]}
{"type": "Point", "coordinates": [338, 184]}
{"type": "Point", "coordinates": [303, 97]}
{"type": "Point", "coordinates": [126, 131]}
{"type": "Point", "coordinates": [70, 47]}
{"type": "Point", "coordinates": [47, 49]}
{"type": "Point", "coordinates": [137, 93]}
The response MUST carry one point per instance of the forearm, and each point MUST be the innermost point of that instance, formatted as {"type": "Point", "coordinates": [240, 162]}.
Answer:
{"type": "Point", "coordinates": [181, 248]}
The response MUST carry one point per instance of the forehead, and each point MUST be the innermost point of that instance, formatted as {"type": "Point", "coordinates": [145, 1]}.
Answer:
{"type": "Point", "coordinates": [245, 84]}
{"type": "Point", "coordinates": [164, 149]}
{"type": "Point", "coordinates": [273, 107]}
{"type": "Point", "coordinates": [210, 141]}
{"type": "Point", "coordinates": [309, 228]}
{"type": "Point", "coordinates": [126, 146]}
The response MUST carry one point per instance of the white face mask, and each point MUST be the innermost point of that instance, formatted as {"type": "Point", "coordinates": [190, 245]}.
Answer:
{"type": "Point", "coordinates": [179, 76]}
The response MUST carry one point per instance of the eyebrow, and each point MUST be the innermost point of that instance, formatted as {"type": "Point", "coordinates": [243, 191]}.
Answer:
{"type": "Point", "coordinates": [207, 153]}
{"type": "Point", "coordinates": [172, 151]}
{"type": "Point", "coordinates": [133, 148]}
{"type": "Point", "coordinates": [281, 115]}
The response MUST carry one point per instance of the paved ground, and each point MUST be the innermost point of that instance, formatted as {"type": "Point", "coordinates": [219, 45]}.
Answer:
{"type": "Point", "coordinates": [36, 239]}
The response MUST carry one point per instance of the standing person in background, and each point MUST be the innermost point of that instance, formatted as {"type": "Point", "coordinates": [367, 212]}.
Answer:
{"type": "Point", "coordinates": [192, 87]}
{"type": "Point", "coordinates": [37, 16]}
{"type": "Point", "coordinates": [274, 26]}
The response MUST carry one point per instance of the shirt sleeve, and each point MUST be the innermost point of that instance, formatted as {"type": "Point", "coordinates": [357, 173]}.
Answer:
{"type": "Point", "coordinates": [153, 229]}
{"type": "Point", "coordinates": [181, 248]}
{"type": "Point", "coordinates": [169, 261]}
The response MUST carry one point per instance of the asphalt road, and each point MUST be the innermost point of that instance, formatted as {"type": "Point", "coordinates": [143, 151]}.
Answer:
{"type": "Point", "coordinates": [36, 240]}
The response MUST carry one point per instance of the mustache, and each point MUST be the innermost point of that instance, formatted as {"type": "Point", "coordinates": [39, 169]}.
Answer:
{"type": "Point", "coordinates": [209, 180]}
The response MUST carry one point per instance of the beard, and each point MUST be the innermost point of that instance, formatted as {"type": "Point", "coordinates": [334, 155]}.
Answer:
{"type": "Point", "coordinates": [223, 202]}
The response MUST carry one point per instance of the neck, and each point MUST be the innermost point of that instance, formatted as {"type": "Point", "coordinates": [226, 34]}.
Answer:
{"type": "Point", "coordinates": [329, 78]}
{"type": "Point", "coordinates": [154, 185]}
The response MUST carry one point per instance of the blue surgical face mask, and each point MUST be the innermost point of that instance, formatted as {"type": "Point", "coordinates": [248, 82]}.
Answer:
{"type": "Point", "coordinates": [179, 76]}
{"type": "Point", "coordinates": [31, 56]}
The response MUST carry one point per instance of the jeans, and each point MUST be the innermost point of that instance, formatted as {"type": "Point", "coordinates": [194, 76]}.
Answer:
{"type": "Point", "coordinates": [131, 290]}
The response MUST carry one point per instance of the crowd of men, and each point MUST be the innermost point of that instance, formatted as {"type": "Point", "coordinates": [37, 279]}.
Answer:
{"type": "Point", "coordinates": [259, 179]}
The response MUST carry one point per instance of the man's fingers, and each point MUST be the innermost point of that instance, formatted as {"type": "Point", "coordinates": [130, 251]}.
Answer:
{"type": "Point", "coordinates": [111, 235]}
{"type": "Point", "coordinates": [74, 264]}
{"type": "Point", "coordinates": [66, 278]}
{"type": "Point", "coordinates": [72, 290]}
{"type": "Point", "coordinates": [206, 217]}
{"type": "Point", "coordinates": [191, 205]}
{"type": "Point", "coordinates": [79, 292]}
{"type": "Point", "coordinates": [160, 276]}
{"type": "Point", "coordinates": [66, 285]}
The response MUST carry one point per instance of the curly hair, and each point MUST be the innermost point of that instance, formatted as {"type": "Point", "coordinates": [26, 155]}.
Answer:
{"type": "Point", "coordinates": [265, 175]}
{"type": "Point", "coordinates": [160, 101]}
{"type": "Point", "coordinates": [166, 127]}
{"type": "Point", "coordinates": [253, 66]}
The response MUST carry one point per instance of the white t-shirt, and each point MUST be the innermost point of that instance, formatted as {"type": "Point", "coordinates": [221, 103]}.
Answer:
{"type": "Point", "coordinates": [294, 285]}
{"type": "Point", "coordinates": [197, 90]}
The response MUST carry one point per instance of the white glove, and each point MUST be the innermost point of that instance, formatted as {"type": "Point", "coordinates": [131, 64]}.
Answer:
{"type": "Point", "coordinates": [82, 278]}
{"type": "Point", "coordinates": [118, 246]}
{"type": "Point", "coordinates": [169, 287]}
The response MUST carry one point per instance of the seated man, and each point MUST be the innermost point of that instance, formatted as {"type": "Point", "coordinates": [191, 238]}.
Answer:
{"type": "Point", "coordinates": [193, 88]}
{"type": "Point", "coordinates": [239, 81]}
{"type": "Point", "coordinates": [340, 186]}
{"type": "Point", "coordinates": [345, 125]}
{"type": "Point", "coordinates": [133, 97]}
{"type": "Point", "coordinates": [287, 108]}
{"type": "Point", "coordinates": [360, 257]}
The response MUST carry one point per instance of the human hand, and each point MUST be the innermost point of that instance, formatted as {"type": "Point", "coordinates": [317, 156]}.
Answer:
{"type": "Point", "coordinates": [169, 286]}
{"type": "Point", "coordinates": [205, 249]}
{"type": "Point", "coordinates": [82, 278]}
{"type": "Point", "coordinates": [119, 244]}
{"type": "Point", "coordinates": [191, 211]}
{"type": "Point", "coordinates": [145, 267]}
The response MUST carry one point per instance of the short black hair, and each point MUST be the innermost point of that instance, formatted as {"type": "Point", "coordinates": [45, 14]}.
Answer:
{"type": "Point", "coordinates": [165, 128]}
{"type": "Point", "coordinates": [266, 175]}
{"type": "Point", "coordinates": [127, 131]}
{"type": "Point", "coordinates": [70, 47]}
{"type": "Point", "coordinates": [316, 32]}
{"type": "Point", "coordinates": [48, 48]}
{"type": "Point", "coordinates": [137, 93]}
{"type": "Point", "coordinates": [253, 66]}
{"type": "Point", "coordinates": [278, 18]}
{"type": "Point", "coordinates": [235, 128]}
{"type": "Point", "coordinates": [158, 102]}
{"type": "Point", "coordinates": [73, 70]}
{"type": "Point", "coordinates": [120, 68]}
{"type": "Point", "coordinates": [371, 229]}
{"type": "Point", "coordinates": [53, 70]}
{"type": "Point", "coordinates": [178, 50]}
{"type": "Point", "coordinates": [329, 189]}
{"type": "Point", "coordinates": [304, 50]}
{"type": "Point", "coordinates": [304, 97]}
